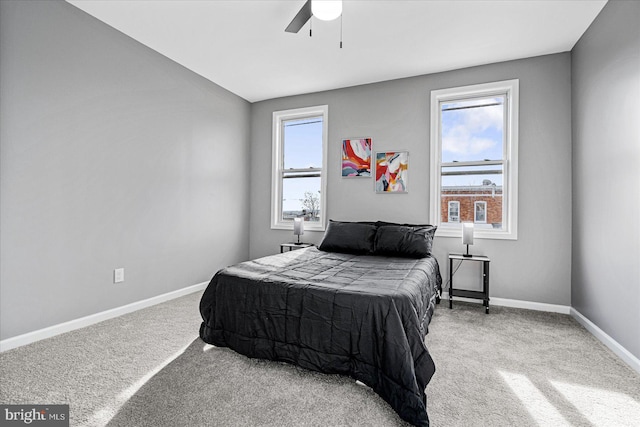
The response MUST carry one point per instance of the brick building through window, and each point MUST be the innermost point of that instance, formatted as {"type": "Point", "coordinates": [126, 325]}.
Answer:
{"type": "Point", "coordinates": [460, 204]}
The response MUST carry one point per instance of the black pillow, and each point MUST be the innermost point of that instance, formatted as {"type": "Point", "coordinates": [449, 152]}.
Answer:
{"type": "Point", "coordinates": [349, 237]}
{"type": "Point", "coordinates": [381, 223]}
{"type": "Point", "coordinates": [410, 241]}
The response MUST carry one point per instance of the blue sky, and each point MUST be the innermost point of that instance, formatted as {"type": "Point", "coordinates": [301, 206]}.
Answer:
{"type": "Point", "coordinates": [472, 134]}
{"type": "Point", "coordinates": [303, 143]}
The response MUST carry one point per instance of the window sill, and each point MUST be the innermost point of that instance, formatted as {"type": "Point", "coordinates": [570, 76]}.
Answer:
{"type": "Point", "coordinates": [307, 227]}
{"type": "Point", "coordinates": [477, 234]}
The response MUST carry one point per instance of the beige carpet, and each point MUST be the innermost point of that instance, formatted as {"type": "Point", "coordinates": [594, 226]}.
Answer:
{"type": "Point", "coordinates": [509, 368]}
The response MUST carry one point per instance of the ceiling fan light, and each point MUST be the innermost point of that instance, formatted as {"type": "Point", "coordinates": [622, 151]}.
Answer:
{"type": "Point", "coordinates": [326, 10]}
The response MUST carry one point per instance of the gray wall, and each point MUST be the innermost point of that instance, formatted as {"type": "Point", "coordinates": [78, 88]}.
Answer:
{"type": "Point", "coordinates": [111, 156]}
{"type": "Point", "coordinates": [395, 114]}
{"type": "Point", "coordinates": [606, 173]}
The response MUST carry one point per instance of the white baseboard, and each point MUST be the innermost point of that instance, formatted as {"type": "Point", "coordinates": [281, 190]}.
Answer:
{"type": "Point", "coordinates": [529, 305]}
{"type": "Point", "coordinates": [71, 325]}
{"type": "Point", "coordinates": [504, 302]}
{"type": "Point", "coordinates": [603, 337]}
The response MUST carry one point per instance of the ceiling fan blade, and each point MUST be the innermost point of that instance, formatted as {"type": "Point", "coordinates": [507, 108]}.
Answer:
{"type": "Point", "coordinates": [300, 19]}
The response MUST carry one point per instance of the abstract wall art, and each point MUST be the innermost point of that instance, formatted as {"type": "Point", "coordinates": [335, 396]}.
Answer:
{"type": "Point", "coordinates": [392, 168]}
{"type": "Point", "coordinates": [356, 157]}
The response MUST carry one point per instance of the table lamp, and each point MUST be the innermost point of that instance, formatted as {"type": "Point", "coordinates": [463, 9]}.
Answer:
{"type": "Point", "coordinates": [467, 237]}
{"type": "Point", "coordinates": [298, 228]}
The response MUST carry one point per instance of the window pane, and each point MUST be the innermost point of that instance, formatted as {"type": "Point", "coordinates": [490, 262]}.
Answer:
{"type": "Point", "coordinates": [472, 129]}
{"type": "Point", "coordinates": [469, 185]}
{"type": "Point", "coordinates": [481, 212]}
{"type": "Point", "coordinates": [454, 212]}
{"type": "Point", "coordinates": [301, 197]}
{"type": "Point", "coordinates": [303, 143]}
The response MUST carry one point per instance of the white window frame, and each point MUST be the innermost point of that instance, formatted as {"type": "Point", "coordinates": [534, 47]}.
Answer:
{"type": "Point", "coordinates": [510, 89]}
{"type": "Point", "coordinates": [277, 166]}
{"type": "Point", "coordinates": [475, 212]}
{"type": "Point", "coordinates": [449, 204]}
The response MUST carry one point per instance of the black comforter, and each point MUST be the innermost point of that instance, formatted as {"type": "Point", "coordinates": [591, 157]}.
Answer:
{"type": "Point", "coordinates": [363, 316]}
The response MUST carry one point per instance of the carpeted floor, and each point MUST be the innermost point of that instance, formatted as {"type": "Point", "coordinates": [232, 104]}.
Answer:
{"type": "Point", "coordinates": [149, 368]}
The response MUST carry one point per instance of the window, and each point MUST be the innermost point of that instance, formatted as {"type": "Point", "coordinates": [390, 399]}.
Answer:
{"type": "Point", "coordinates": [454, 212]}
{"type": "Point", "coordinates": [474, 159]}
{"type": "Point", "coordinates": [299, 153]}
{"type": "Point", "coordinates": [480, 215]}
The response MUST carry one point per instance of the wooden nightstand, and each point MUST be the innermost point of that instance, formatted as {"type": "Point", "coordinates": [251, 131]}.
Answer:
{"type": "Point", "coordinates": [293, 246]}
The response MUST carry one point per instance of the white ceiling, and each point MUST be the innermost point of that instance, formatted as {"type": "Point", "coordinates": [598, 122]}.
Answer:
{"type": "Point", "coordinates": [241, 44]}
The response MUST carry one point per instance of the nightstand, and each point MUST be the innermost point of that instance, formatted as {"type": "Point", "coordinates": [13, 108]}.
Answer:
{"type": "Point", "coordinates": [484, 293]}
{"type": "Point", "coordinates": [293, 246]}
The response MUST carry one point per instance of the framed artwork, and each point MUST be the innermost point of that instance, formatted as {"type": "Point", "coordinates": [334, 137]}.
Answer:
{"type": "Point", "coordinates": [356, 158]}
{"type": "Point", "coordinates": [392, 168]}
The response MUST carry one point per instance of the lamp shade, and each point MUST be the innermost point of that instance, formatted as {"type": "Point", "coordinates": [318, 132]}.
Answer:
{"type": "Point", "coordinates": [298, 226]}
{"type": "Point", "coordinates": [326, 10]}
{"type": "Point", "coordinates": [467, 233]}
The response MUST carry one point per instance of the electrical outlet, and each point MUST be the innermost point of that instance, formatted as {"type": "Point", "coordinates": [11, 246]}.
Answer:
{"type": "Point", "coordinates": [118, 275]}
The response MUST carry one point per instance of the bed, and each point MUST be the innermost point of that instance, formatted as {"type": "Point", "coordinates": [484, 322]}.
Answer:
{"type": "Point", "coordinates": [358, 305]}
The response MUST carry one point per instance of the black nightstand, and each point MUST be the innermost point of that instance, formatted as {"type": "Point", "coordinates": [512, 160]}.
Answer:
{"type": "Point", "coordinates": [293, 246]}
{"type": "Point", "coordinates": [484, 293]}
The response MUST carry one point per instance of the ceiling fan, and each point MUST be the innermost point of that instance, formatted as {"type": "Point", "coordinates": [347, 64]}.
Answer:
{"type": "Point", "coordinates": [326, 10]}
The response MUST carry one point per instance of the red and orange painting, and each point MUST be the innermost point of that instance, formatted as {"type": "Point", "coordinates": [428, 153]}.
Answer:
{"type": "Point", "coordinates": [392, 168]}
{"type": "Point", "coordinates": [356, 157]}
